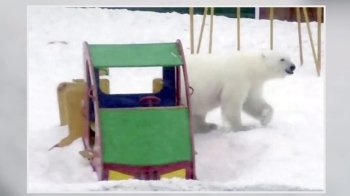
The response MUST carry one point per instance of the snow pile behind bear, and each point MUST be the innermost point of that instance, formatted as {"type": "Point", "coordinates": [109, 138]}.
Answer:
{"type": "Point", "coordinates": [234, 82]}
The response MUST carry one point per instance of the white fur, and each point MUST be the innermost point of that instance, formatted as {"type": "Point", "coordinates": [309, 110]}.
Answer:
{"type": "Point", "coordinates": [233, 82]}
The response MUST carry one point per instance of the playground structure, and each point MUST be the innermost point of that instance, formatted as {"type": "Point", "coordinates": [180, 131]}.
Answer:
{"type": "Point", "coordinates": [144, 136]}
{"type": "Point", "coordinates": [316, 55]}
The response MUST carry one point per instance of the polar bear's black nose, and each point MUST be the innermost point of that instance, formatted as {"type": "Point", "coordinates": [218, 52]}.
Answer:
{"type": "Point", "coordinates": [292, 67]}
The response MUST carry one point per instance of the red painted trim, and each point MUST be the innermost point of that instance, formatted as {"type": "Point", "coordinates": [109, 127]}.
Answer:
{"type": "Point", "coordinates": [184, 67]}
{"type": "Point", "coordinates": [97, 149]}
{"type": "Point", "coordinates": [86, 124]}
{"type": "Point", "coordinates": [160, 170]}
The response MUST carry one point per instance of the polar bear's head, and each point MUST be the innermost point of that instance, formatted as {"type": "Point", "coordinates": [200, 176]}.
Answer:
{"type": "Point", "coordinates": [278, 64]}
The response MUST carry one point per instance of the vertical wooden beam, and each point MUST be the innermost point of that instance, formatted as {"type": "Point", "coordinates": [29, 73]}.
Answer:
{"type": "Point", "coordinates": [257, 13]}
{"type": "Point", "coordinates": [319, 28]}
{"type": "Point", "coordinates": [191, 29]}
{"type": "Point", "coordinates": [202, 28]}
{"type": "Point", "coordinates": [238, 28]}
{"type": "Point", "coordinates": [211, 29]}
{"type": "Point", "coordinates": [299, 35]}
{"type": "Point", "coordinates": [271, 27]}
{"type": "Point", "coordinates": [310, 36]}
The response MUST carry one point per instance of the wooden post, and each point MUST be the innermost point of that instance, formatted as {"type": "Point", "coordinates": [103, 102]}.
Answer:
{"type": "Point", "coordinates": [310, 36]}
{"type": "Point", "coordinates": [202, 28]}
{"type": "Point", "coordinates": [271, 27]}
{"type": "Point", "coordinates": [238, 28]}
{"type": "Point", "coordinates": [191, 30]}
{"type": "Point", "coordinates": [319, 28]}
{"type": "Point", "coordinates": [299, 35]}
{"type": "Point", "coordinates": [211, 29]}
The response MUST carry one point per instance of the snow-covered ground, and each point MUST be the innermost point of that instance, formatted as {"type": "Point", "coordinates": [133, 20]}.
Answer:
{"type": "Point", "coordinates": [287, 155]}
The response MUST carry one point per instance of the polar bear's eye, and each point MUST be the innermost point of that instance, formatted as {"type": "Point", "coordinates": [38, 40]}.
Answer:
{"type": "Point", "coordinates": [282, 59]}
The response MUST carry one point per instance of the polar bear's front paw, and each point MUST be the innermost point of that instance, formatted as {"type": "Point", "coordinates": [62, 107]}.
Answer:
{"type": "Point", "coordinates": [205, 127]}
{"type": "Point", "coordinates": [212, 126]}
{"type": "Point", "coordinates": [244, 128]}
{"type": "Point", "coordinates": [209, 127]}
{"type": "Point", "coordinates": [266, 116]}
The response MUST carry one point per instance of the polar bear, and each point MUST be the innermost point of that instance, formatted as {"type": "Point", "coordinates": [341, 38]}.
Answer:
{"type": "Point", "coordinates": [234, 82]}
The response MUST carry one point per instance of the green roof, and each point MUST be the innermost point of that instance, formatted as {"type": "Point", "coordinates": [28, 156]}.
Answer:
{"type": "Point", "coordinates": [135, 55]}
